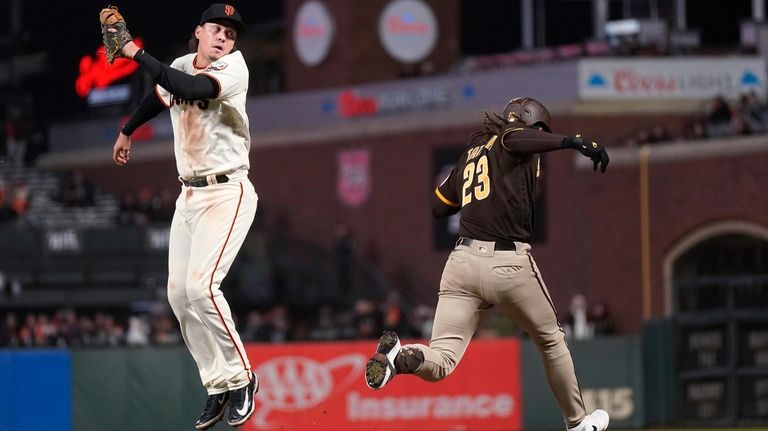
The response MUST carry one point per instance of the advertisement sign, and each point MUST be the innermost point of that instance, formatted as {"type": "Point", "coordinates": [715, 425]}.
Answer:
{"type": "Point", "coordinates": [352, 104]}
{"type": "Point", "coordinates": [63, 241]}
{"type": "Point", "coordinates": [96, 77]}
{"type": "Point", "coordinates": [408, 30]}
{"type": "Point", "coordinates": [321, 387]}
{"type": "Point", "coordinates": [673, 78]}
{"type": "Point", "coordinates": [353, 181]}
{"type": "Point", "coordinates": [22, 374]}
{"type": "Point", "coordinates": [462, 96]}
{"type": "Point", "coordinates": [312, 33]}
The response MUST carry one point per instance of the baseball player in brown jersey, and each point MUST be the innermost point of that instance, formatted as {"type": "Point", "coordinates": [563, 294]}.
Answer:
{"type": "Point", "coordinates": [206, 93]}
{"type": "Point", "coordinates": [494, 186]}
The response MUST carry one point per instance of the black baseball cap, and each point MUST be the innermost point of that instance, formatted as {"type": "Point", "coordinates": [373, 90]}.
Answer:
{"type": "Point", "coordinates": [221, 11]}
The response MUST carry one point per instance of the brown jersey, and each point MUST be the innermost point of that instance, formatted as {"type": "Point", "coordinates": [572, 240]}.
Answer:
{"type": "Point", "coordinates": [495, 186]}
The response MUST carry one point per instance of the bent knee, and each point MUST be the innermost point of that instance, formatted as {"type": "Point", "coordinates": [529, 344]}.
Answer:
{"type": "Point", "coordinates": [550, 341]}
{"type": "Point", "coordinates": [438, 368]}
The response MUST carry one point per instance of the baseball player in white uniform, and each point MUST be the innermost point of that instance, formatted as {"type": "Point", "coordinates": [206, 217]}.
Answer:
{"type": "Point", "coordinates": [206, 93]}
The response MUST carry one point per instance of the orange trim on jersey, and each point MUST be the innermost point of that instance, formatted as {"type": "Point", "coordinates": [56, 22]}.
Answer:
{"type": "Point", "coordinates": [194, 64]}
{"type": "Point", "coordinates": [216, 80]}
{"type": "Point", "coordinates": [210, 284]}
{"type": "Point", "coordinates": [508, 132]}
{"type": "Point", "coordinates": [157, 93]}
{"type": "Point", "coordinates": [444, 199]}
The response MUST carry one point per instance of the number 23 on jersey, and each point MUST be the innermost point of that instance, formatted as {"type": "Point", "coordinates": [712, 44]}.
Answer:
{"type": "Point", "coordinates": [477, 181]}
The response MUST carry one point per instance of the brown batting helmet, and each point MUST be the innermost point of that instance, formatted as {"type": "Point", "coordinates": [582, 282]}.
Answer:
{"type": "Point", "coordinates": [528, 111]}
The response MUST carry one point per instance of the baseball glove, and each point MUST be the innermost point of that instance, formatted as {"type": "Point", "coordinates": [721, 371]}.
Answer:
{"type": "Point", "coordinates": [114, 32]}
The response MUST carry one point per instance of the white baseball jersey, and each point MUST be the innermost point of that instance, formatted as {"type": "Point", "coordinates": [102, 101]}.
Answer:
{"type": "Point", "coordinates": [211, 137]}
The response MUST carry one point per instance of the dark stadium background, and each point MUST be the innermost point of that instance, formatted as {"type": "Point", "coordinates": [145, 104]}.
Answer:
{"type": "Point", "coordinates": [671, 244]}
{"type": "Point", "coordinates": [64, 29]}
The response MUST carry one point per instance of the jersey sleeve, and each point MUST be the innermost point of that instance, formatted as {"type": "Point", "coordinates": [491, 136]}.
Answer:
{"type": "Point", "coordinates": [163, 94]}
{"type": "Point", "coordinates": [526, 140]}
{"type": "Point", "coordinates": [231, 75]}
{"type": "Point", "coordinates": [446, 192]}
{"type": "Point", "coordinates": [445, 200]}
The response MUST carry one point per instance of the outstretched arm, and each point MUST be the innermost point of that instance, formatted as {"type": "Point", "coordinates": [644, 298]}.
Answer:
{"type": "Point", "coordinates": [529, 141]}
{"type": "Point", "coordinates": [522, 140]}
{"type": "Point", "coordinates": [178, 83]}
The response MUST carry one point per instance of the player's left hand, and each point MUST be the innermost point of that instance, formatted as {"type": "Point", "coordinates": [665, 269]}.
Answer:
{"type": "Point", "coordinates": [600, 158]}
{"type": "Point", "coordinates": [114, 33]}
{"type": "Point", "coordinates": [593, 150]}
{"type": "Point", "coordinates": [121, 152]}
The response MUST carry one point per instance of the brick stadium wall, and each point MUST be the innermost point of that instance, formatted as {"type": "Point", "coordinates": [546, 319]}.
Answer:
{"type": "Point", "coordinates": [593, 238]}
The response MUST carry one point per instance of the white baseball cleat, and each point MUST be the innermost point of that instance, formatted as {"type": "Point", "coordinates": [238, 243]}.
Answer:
{"type": "Point", "coordinates": [381, 367]}
{"type": "Point", "coordinates": [595, 421]}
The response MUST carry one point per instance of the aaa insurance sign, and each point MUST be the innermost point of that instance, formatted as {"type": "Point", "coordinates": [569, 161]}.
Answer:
{"type": "Point", "coordinates": [321, 387]}
{"type": "Point", "coordinates": [674, 78]}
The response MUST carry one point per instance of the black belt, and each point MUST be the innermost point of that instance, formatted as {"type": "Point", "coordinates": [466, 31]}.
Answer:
{"type": "Point", "coordinates": [497, 245]}
{"type": "Point", "coordinates": [203, 181]}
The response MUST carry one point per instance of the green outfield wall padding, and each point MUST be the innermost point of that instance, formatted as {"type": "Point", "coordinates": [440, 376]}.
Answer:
{"type": "Point", "coordinates": [135, 389]}
{"type": "Point", "coordinates": [659, 370]}
{"type": "Point", "coordinates": [610, 376]}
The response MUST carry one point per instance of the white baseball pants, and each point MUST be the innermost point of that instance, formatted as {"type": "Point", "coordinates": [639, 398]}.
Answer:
{"type": "Point", "coordinates": [209, 226]}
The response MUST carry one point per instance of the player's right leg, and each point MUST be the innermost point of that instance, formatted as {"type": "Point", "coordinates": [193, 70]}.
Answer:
{"type": "Point", "coordinates": [198, 339]}
{"type": "Point", "coordinates": [223, 214]}
{"type": "Point", "coordinates": [595, 421]}
{"type": "Point", "coordinates": [524, 298]}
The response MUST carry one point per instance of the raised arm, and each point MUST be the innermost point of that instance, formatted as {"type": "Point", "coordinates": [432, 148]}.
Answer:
{"type": "Point", "coordinates": [178, 83]}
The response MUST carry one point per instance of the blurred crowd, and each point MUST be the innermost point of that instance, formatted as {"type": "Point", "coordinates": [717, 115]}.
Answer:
{"type": "Point", "coordinates": [24, 135]}
{"type": "Point", "coordinates": [585, 320]}
{"type": "Point", "coordinates": [66, 328]}
{"type": "Point", "coordinates": [748, 115]}
{"type": "Point", "coordinates": [145, 207]}
{"type": "Point", "coordinates": [720, 118]}
{"type": "Point", "coordinates": [14, 200]}
{"type": "Point", "coordinates": [365, 320]}
{"type": "Point", "coordinates": [74, 190]}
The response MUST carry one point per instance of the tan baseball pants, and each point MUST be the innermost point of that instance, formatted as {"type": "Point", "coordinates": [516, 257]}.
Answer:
{"type": "Point", "coordinates": [208, 228]}
{"type": "Point", "coordinates": [474, 280]}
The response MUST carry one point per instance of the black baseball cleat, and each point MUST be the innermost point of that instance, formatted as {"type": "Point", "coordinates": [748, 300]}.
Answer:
{"type": "Point", "coordinates": [213, 410]}
{"type": "Point", "coordinates": [381, 367]}
{"type": "Point", "coordinates": [241, 404]}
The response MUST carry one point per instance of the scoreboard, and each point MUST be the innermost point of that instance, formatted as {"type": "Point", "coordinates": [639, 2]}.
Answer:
{"type": "Point", "coordinates": [722, 363]}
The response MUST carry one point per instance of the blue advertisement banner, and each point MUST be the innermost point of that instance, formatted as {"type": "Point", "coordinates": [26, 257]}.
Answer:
{"type": "Point", "coordinates": [35, 390]}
